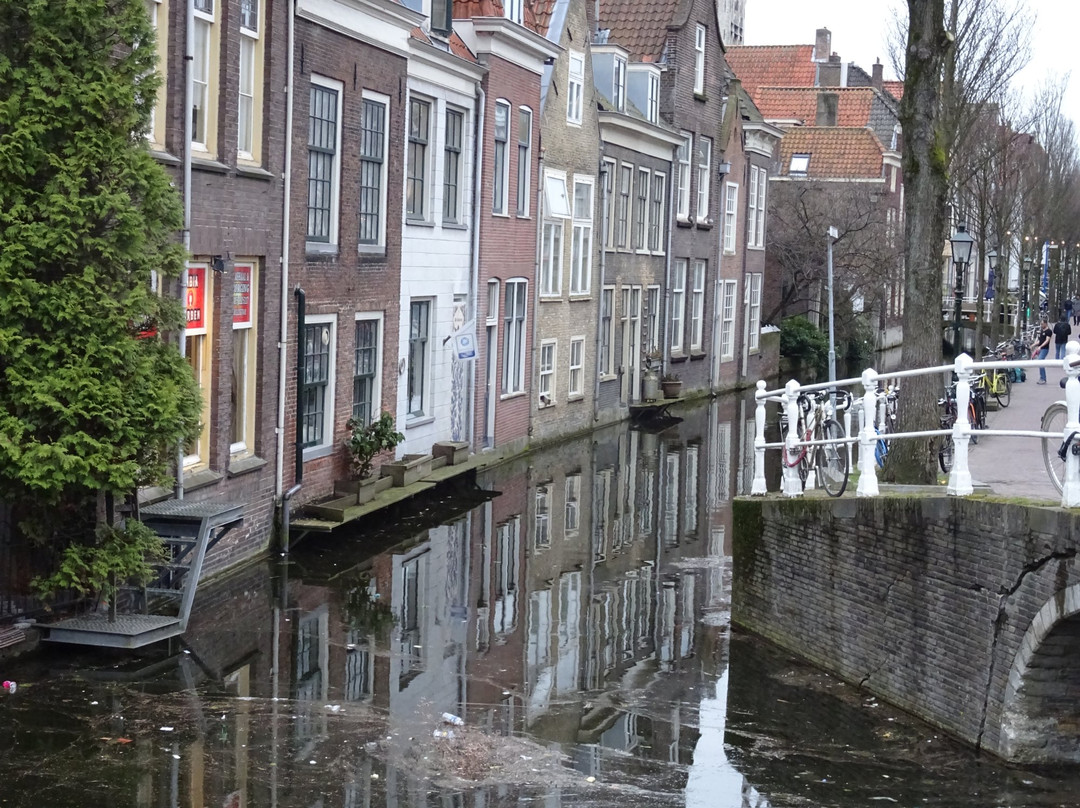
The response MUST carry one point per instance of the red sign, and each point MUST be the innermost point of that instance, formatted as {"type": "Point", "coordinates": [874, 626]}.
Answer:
{"type": "Point", "coordinates": [195, 300]}
{"type": "Point", "coordinates": [241, 317]}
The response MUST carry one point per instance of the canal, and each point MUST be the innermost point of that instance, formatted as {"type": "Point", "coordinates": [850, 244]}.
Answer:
{"type": "Point", "coordinates": [571, 608]}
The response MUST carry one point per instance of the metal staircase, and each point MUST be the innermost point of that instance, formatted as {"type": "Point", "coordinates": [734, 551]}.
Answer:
{"type": "Point", "coordinates": [161, 609]}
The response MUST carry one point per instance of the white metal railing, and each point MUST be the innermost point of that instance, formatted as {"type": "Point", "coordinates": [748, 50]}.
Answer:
{"type": "Point", "coordinates": [960, 474]}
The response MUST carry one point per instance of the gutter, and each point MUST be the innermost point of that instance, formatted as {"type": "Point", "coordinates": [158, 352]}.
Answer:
{"type": "Point", "coordinates": [474, 262]}
{"type": "Point", "coordinates": [189, 92]}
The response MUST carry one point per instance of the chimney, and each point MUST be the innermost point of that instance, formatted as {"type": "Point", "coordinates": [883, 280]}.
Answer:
{"type": "Point", "coordinates": [826, 109]}
{"type": "Point", "coordinates": [876, 78]}
{"type": "Point", "coordinates": [822, 45]}
{"type": "Point", "coordinates": [828, 73]}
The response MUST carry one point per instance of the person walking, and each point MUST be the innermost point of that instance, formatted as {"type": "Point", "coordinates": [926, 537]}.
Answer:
{"type": "Point", "coordinates": [1068, 306]}
{"type": "Point", "coordinates": [1076, 308]}
{"type": "Point", "coordinates": [1042, 346]}
{"type": "Point", "coordinates": [1062, 332]}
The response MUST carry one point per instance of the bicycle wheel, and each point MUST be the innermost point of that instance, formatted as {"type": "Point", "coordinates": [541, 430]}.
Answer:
{"type": "Point", "coordinates": [1003, 388]}
{"type": "Point", "coordinates": [1054, 420]}
{"type": "Point", "coordinates": [832, 462]}
{"type": "Point", "coordinates": [945, 453]}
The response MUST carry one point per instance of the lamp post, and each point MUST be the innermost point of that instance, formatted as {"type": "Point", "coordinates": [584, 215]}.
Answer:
{"type": "Point", "coordinates": [1024, 291]}
{"type": "Point", "coordinates": [832, 235]}
{"type": "Point", "coordinates": [961, 253]}
{"type": "Point", "coordinates": [991, 292]}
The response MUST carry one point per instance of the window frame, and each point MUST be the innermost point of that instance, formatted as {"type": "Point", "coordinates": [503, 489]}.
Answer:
{"type": "Point", "coordinates": [699, 270]}
{"type": "Point", "coordinates": [454, 165]}
{"type": "Point", "coordinates": [253, 154]}
{"type": "Point", "coordinates": [677, 321]}
{"type": "Point", "coordinates": [418, 145]}
{"type": "Point", "coordinates": [611, 165]}
{"type": "Point", "coordinates": [641, 210]}
{"type": "Point", "coordinates": [731, 217]}
{"type": "Point", "coordinates": [249, 327]}
{"type": "Point", "coordinates": [551, 258]}
{"type": "Point", "coordinates": [334, 210]}
{"type": "Point", "coordinates": [209, 62]}
{"type": "Point", "coordinates": [500, 162]}
{"type": "Point", "coordinates": [728, 296]}
{"type": "Point", "coordinates": [323, 447]}
{"type": "Point", "coordinates": [203, 371]}
{"type": "Point", "coordinates": [652, 97]}
{"type": "Point", "coordinates": [366, 159]}
{"type": "Point", "coordinates": [575, 87]}
{"type": "Point", "coordinates": [700, 35]}
{"type": "Point", "coordinates": [424, 340]}
{"type": "Point", "coordinates": [546, 373]}
{"type": "Point", "coordinates": [654, 314]}
{"type": "Point", "coordinates": [754, 312]}
{"type": "Point", "coordinates": [656, 213]}
{"type": "Point", "coordinates": [575, 391]}
{"type": "Point", "coordinates": [763, 184]}
{"type": "Point", "coordinates": [524, 161]}
{"type": "Point", "coordinates": [704, 169]}
{"type": "Point", "coordinates": [684, 160]}
{"type": "Point", "coordinates": [618, 83]}
{"type": "Point", "coordinates": [803, 161]}
{"type": "Point", "coordinates": [606, 348]}
{"type": "Point", "coordinates": [158, 11]}
{"type": "Point", "coordinates": [377, 318]}
{"type": "Point", "coordinates": [581, 238]}
{"type": "Point", "coordinates": [622, 206]}
{"type": "Point", "coordinates": [515, 336]}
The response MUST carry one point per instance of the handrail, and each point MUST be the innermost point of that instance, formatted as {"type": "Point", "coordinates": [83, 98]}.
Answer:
{"type": "Point", "coordinates": [870, 418]}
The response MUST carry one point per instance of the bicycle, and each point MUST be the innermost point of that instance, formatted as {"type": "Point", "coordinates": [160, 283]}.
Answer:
{"type": "Point", "coordinates": [817, 424]}
{"type": "Point", "coordinates": [887, 413]}
{"type": "Point", "coordinates": [947, 419]}
{"type": "Point", "coordinates": [999, 383]}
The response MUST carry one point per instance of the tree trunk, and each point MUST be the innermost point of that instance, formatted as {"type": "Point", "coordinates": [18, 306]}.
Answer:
{"type": "Point", "coordinates": [925, 189]}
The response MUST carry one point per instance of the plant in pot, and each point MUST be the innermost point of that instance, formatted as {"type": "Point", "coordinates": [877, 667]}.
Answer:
{"type": "Point", "coordinates": [672, 385]}
{"type": "Point", "coordinates": [365, 441]}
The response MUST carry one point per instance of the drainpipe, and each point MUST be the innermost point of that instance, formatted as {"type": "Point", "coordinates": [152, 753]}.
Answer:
{"type": "Point", "coordinates": [672, 202]}
{"type": "Point", "coordinates": [603, 173]}
{"type": "Point", "coordinates": [189, 93]}
{"type": "Point", "coordinates": [474, 262]}
{"type": "Point", "coordinates": [298, 473]}
{"type": "Point", "coordinates": [536, 287]}
{"type": "Point", "coordinates": [283, 338]}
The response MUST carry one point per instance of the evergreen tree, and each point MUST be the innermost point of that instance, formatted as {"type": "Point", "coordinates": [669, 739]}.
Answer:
{"type": "Point", "coordinates": [93, 398]}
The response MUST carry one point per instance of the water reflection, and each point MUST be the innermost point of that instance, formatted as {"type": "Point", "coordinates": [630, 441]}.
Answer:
{"type": "Point", "coordinates": [577, 621]}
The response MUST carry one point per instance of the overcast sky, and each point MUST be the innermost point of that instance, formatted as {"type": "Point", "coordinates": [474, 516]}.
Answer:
{"type": "Point", "coordinates": [859, 29]}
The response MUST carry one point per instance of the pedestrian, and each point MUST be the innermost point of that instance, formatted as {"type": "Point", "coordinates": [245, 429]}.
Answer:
{"type": "Point", "coordinates": [1068, 305]}
{"type": "Point", "coordinates": [1042, 346]}
{"type": "Point", "coordinates": [1076, 308]}
{"type": "Point", "coordinates": [1062, 332]}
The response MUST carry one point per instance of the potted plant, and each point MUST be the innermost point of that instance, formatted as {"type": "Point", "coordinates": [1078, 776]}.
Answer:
{"type": "Point", "coordinates": [672, 385]}
{"type": "Point", "coordinates": [650, 379]}
{"type": "Point", "coordinates": [364, 442]}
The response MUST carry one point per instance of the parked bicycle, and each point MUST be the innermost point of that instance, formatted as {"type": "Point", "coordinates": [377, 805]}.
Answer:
{"type": "Point", "coordinates": [817, 425]}
{"type": "Point", "coordinates": [999, 382]}
{"type": "Point", "coordinates": [947, 419]}
{"type": "Point", "coordinates": [884, 423]}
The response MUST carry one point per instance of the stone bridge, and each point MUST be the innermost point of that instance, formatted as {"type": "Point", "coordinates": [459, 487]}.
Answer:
{"type": "Point", "coordinates": [965, 612]}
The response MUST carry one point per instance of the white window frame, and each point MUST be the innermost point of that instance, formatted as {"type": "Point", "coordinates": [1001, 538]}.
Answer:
{"type": "Point", "coordinates": [618, 84]}
{"type": "Point", "coordinates": [514, 344]}
{"type": "Point", "coordinates": [251, 40]}
{"type": "Point", "coordinates": [500, 191]}
{"type": "Point", "coordinates": [699, 59]}
{"type": "Point", "coordinates": [427, 403]}
{"type": "Point", "coordinates": [459, 154]}
{"type": "Point", "coordinates": [799, 165]}
{"type": "Point", "coordinates": [249, 358]}
{"type": "Point", "coordinates": [755, 216]}
{"type": "Point", "coordinates": [641, 210]}
{"type": "Point", "coordinates": [384, 100]}
{"type": "Point", "coordinates": [682, 210]}
{"type": "Point", "coordinates": [551, 258]}
{"type": "Point", "coordinates": [159, 21]}
{"type": "Point", "coordinates": [731, 216]}
{"type": "Point", "coordinates": [728, 295]}
{"type": "Point", "coordinates": [524, 161]}
{"type": "Point", "coordinates": [575, 384]}
{"type": "Point", "coordinates": [606, 354]}
{"type": "Point", "coordinates": [547, 364]}
{"type": "Point", "coordinates": [335, 181]}
{"type": "Point", "coordinates": [656, 213]}
{"type": "Point", "coordinates": [678, 305]}
{"type": "Point", "coordinates": [610, 168]}
{"type": "Point", "coordinates": [513, 10]}
{"type": "Point", "coordinates": [623, 191]}
{"type": "Point", "coordinates": [763, 184]}
{"type": "Point", "coordinates": [575, 87]}
{"type": "Point", "coordinates": [652, 98]}
{"type": "Point", "coordinates": [654, 311]}
{"type": "Point", "coordinates": [426, 141]}
{"type": "Point", "coordinates": [581, 241]}
{"type": "Point", "coordinates": [207, 87]}
{"type": "Point", "coordinates": [704, 167]}
{"type": "Point", "coordinates": [328, 442]}
{"type": "Point", "coordinates": [697, 303]}
{"type": "Point", "coordinates": [380, 335]}
{"type": "Point", "coordinates": [754, 313]}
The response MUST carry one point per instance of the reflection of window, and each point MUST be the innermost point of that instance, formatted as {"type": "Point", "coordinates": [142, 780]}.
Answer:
{"type": "Point", "coordinates": [324, 130]}
{"type": "Point", "coordinates": [524, 160]}
{"type": "Point", "coordinates": [727, 321]}
{"type": "Point", "coordinates": [547, 373]}
{"type": "Point", "coordinates": [581, 246]}
{"type": "Point", "coordinates": [416, 204]}
{"type": "Point", "coordinates": [542, 531]}
{"type": "Point", "coordinates": [452, 151]}
{"type": "Point", "coordinates": [697, 305]}
{"type": "Point", "coordinates": [419, 356]}
{"type": "Point", "coordinates": [507, 547]}
{"type": "Point", "coordinates": [316, 400]}
{"type": "Point", "coordinates": [411, 644]}
{"type": "Point", "coordinates": [690, 523]}
{"type": "Point", "coordinates": [373, 134]}
{"type": "Point", "coordinates": [572, 519]}
{"type": "Point", "coordinates": [514, 337]}
{"type": "Point", "coordinates": [358, 668]}
{"type": "Point", "coordinates": [575, 86]}
{"type": "Point", "coordinates": [576, 385]}
{"type": "Point", "coordinates": [682, 207]}
{"type": "Point", "coordinates": [670, 495]}
{"type": "Point", "coordinates": [501, 166]}
{"type": "Point", "coordinates": [678, 304]}
{"type": "Point", "coordinates": [365, 369]}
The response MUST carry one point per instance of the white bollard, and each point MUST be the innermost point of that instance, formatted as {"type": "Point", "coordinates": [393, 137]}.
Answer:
{"type": "Point", "coordinates": [791, 482]}
{"type": "Point", "coordinates": [758, 487]}
{"type": "Point", "coordinates": [868, 482]}
{"type": "Point", "coordinates": [960, 476]}
{"type": "Point", "coordinates": [1070, 489]}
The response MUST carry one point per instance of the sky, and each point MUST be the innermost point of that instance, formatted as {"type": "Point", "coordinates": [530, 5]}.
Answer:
{"type": "Point", "coordinates": [859, 31]}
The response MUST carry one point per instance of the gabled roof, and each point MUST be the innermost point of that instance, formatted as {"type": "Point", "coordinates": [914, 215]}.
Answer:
{"type": "Point", "coordinates": [835, 152]}
{"type": "Point", "coordinates": [464, 9]}
{"type": "Point", "coordinates": [773, 66]}
{"type": "Point", "coordinates": [640, 26]}
{"type": "Point", "coordinates": [800, 104]}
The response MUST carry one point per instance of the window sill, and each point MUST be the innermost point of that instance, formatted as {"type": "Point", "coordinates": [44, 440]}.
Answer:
{"type": "Point", "coordinates": [524, 216]}
{"type": "Point", "coordinates": [371, 250]}
{"type": "Point", "coordinates": [316, 248]}
{"type": "Point", "coordinates": [706, 224]}
{"type": "Point", "coordinates": [699, 96]}
{"type": "Point", "coordinates": [554, 297]}
{"type": "Point", "coordinates": [683, 223]}
{"type": "Point", "coordinates": [418, 420]}
{"type": "Point", "coordinates": [678, 357]}
{"type": "Point", "coordinates": [610, 377]}
{"type": "Point", "coordinates": [580, 297]}
{"type": "Point", "coordinates": [547, 406]}
{"type": "Point", "coordinates": [164, 157]}
{"type": "Point", "coordinates": [208, 165]}
{"type": "Point", "coordinates": [253, 171]}
{"type": "Point", "coordinates": [419, 223]}
{"type": "Point", "coordinates": [244, 465]}
{"type": "Point", "coordinates": [575, 397]}
{"type": "Point", "coordinates": [508, 396]}
{"type": "Point", "coordinates": [696, 354]}
{"type": "Point", "coordinates": [317, 452]}
{"type": "Point", "coordinates": [200, 479]}
{"type": "Point", "coordinates": [498, 215]}
{"type": "Point", "coordinates": [729, 252]}
{"type": "Point", "coordinates": [454, 226]}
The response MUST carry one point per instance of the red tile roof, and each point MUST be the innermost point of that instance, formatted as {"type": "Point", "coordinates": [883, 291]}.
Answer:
{"type": "Point", "coordinates": [772, 66]}
{"type": "Point", "coordinates": [460, 49]}
{"type": "Point", "coordinates": [464, 9]}
{"type": "Point", "coordinates": [800, 103]}
{"type": "Point", "coordinates": [640, 26]}
{"type": "Point", "coordinates": [835, 152]}
{"type": "Point", "coordinates": [542, 11]}
{"type": "Point", "coordinates": [894, 88]}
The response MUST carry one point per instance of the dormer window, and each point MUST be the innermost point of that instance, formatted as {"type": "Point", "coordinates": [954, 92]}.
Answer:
{"type": "Point", "coordinates": [512, 9]}
{"type": "Point", "coordinates": [618, 84]}
{"type": "Point", "coordinates": [442, 16]}
{"type": "Point", "coordinates": [652, 106]}
{"type": "Point", "coordinates": [699, 60]}
{"type": "Point", "coordinates": [800, 163]}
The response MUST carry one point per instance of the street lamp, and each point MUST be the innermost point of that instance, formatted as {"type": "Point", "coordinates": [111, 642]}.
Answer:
{"type": "Point", "coordinates": [961, 253]}
{"type": "Point", "coordinates": [991, 291]}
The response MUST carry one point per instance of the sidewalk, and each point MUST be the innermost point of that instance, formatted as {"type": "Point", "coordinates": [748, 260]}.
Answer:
{"type": "Point", "coordinates": [1013, 467]}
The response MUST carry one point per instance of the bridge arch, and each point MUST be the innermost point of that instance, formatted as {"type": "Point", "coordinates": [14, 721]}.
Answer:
{"type": "Point", "coordinates": [1040, 717]}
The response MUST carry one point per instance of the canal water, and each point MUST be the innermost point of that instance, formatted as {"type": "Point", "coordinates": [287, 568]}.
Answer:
{"type": "Point", "coordinates": [555, 632]}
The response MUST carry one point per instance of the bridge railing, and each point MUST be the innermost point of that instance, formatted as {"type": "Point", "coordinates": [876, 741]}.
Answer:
{"type": "Point", "coordinates": [871, 414]}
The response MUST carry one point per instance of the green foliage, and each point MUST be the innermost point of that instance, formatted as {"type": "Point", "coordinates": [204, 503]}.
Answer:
{"type": "Point", "coordinates": [118, 555]}
{"type": "Point", "coordinates": [366, 441]}
{"type": "Point", "coordinates": [366, 613]}
{"type": "Point", "coordinates": [801, 341]}
{"type": "Point", "coordinates": [86, 217]}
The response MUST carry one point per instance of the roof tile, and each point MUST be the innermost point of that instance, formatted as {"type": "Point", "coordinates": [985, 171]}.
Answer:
{"type": "Point", "coordinates": [800, 103]}
{"type": "Point", "coordinates": [760, 66]}
{"type": "Point", "coordinates": [464, 9]}
{"type": "Point", "coordinates": [640, 26]}
{"type": "Point", "coordinates": [835, 152]}
{"type": "Point", "coordinates": [894, 88]}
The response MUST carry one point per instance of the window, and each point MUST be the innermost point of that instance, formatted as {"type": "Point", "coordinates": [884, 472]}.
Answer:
{"type": "Point", "coordinates": [697, 305]}
{"type": "Point", "coordinates": [581, 244]}
{"type": "Point", "coordinates": [652, 99]}
{"type": "Point", "coordinates": [198, 349]}
{"type": "Point", "coordinates": [575, 87]}
{"type": "Point", "coordinates": [524, 156]}
{"type": "Point", "coordinates": [755, 311]}
{"type": "Point", "coordinates": [699, 60]}
{"type": "Point", "coordinates": [755, 217]}
{"type": "Point", "coordinates": [542, 531]}
{"type": "Point", "coordinates": [727, 321]}
{"type": "Point", "coordinates": [555, 197]}
{"type": "Point", "coordinates": [607, 332]}
{"type": "Point", "coordinates": [641, 208]}
{"type": "Point", "coordinates": [800, 164]}
{"type": "Point", "coordinates": [622, 205]}
{"type": "Point", "coordinates": [678, 303]}
{"type": "Point", "coordinates": [704, 160]}
{"type": "Point", "coordinates": [244, 356]}
{"type": "Point", "coordinates": [492, 302]}
{"type": "Point", "coordinates": [203, 69]}
{"type": "Point", "coordinates": [731, 216]}
{"type": "Point", "coordinates": [690, 515]}
{"type": "Point", "coordinates": [656, 213]}
{"type": "Point", "coordinates": [514, 337]}
{"type": "Point", "coordinates": [452, 145]}
{"type": "Point", "coordinates": [572, 522]}
{"type": "Point", "coordinates": [652, 313]}
{"type": "Point", "coordinates": [366, 368]}
{"type": "Point", "coordinates": [324, 130]}
{"type": "Point", "coordinates": [501, 165]}
{"type": "Point", "coordinates": [618, 85]}
{"type": "Point", "coordinates": [576, 385]}
{"type": "Point", "coordinates": [683, 189]}
{"type": "Point", "coordinates": [249, 110]}
{"type": "Point", "coordinates": [419, 357]}
{"type": "Point", "coordinates": [610, 167]}
{"type": "Point", "coordinates": [373, 134]}
{"type": "Point", "coordinates": [416, 204]}
{"type": "Point", "coordinates": [512, 9]}
{"type": "Point", "coordinates": [316, 394]}
{"type": "Point", "coordinates": [159, 21]}
{"type": "Point", "coordinates": [547, 373]}
{"type": "Point", "coordinates": [551, 254]}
